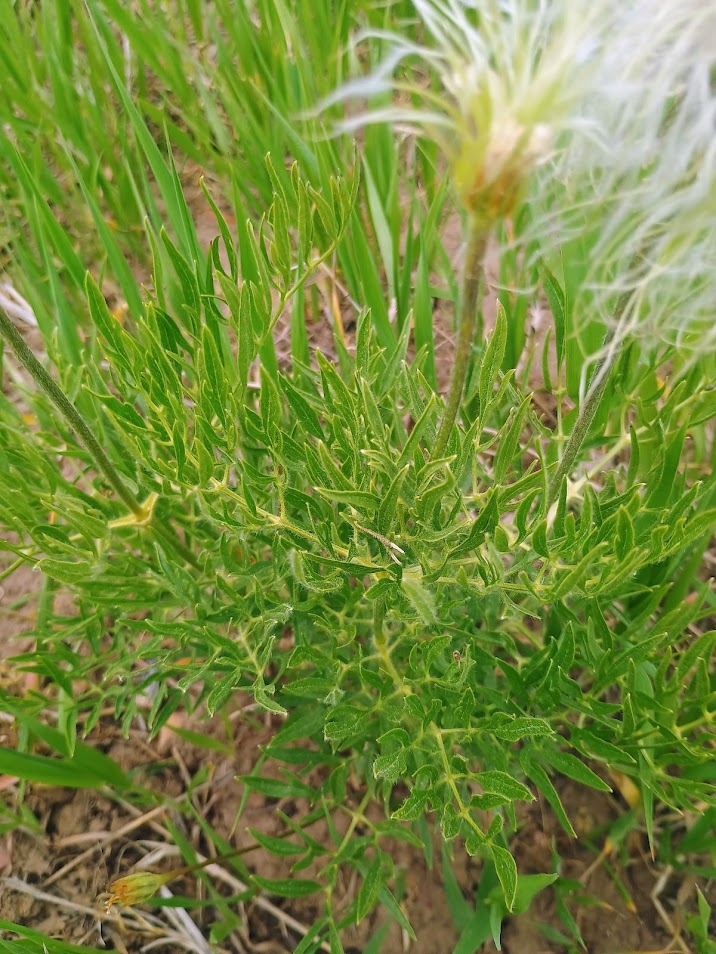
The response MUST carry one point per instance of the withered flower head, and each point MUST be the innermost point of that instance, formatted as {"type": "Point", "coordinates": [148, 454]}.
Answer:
{"type": "Point", "coordinates": [137, 887]}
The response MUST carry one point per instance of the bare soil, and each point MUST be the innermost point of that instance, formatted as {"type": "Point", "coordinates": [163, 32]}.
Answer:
{"type": "Point", "coordinates": [54, 879]}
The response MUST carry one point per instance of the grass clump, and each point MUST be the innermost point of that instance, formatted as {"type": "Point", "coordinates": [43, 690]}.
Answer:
{"type": "Point", "coordinates": [452, 601]}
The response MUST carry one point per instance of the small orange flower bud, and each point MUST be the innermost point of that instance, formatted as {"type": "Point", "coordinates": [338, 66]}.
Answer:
{"type": "Point", "coordinates": [138, 887]}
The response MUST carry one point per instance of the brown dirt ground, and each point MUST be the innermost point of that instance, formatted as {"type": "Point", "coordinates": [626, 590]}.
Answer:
{"type": "Point", "coordinates": [87, 838]}
{"type": "Point", "coordinates": [79, 839]}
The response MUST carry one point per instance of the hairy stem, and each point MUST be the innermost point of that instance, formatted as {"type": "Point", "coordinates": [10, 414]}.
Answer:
{"type": "Point", "coordinates": [73, 417]}
{"type": "Point", "coordinates": [24, 355]}
{"type": "Point", "coordinates": [581, 428]}
{"type": "Point", "coordinates": [469, 324]}
{"type": "Point", "coordinates": [588, 410]}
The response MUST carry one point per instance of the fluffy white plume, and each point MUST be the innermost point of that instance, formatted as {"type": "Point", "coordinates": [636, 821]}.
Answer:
{"type": "Point", "coordinates": [598, 114]}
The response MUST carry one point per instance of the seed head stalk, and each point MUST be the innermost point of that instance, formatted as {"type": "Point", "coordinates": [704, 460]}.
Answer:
{"type": "Point", "coordinates": [140, 511]}
{"type": "Point", "coordinates": [611, 352]}
{"type": "Point", "coordinates": [580, 430]}
{"type": "Point", "coordinates": [73, 417]}
{"type": "Point", "coordinates": [469, 329]}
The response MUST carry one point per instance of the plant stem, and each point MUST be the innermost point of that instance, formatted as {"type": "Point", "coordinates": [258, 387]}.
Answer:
{"type": "Point", "coordinates": [589, 408]}
{"type": "Point", "coordinates": [378, 620]}
{"type": "Point", "coordinates": [25, 356]}
{"type": "Point", "coordinates": [581, 428]}
{"type": "Point", "coordinates": [469, 324]}
{"type": "Point", "coordinates": [462, 808]}
{"type": "Point", "coordinates": [40, 375]}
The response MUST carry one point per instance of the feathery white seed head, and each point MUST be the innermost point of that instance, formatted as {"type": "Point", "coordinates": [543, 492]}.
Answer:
{"type": "Point", "coordinates": [601, 116]}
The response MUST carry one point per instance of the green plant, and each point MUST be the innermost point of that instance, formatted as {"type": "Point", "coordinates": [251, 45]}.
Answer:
{"type": "Point", "coordinates": [465, 618]}
{"type": "Point", "coordinates": [699, 927]}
